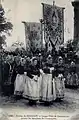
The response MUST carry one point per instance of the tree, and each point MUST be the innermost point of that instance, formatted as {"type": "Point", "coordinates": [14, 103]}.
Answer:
{"type": "Point", "coordinates": [5, 27]}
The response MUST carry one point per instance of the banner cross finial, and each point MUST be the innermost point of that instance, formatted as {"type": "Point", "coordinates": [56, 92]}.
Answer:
{"type": "Point", "coordinates": [53, 2]}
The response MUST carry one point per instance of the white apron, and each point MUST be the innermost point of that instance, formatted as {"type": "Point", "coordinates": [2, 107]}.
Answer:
{"type": "Point", "coordinates": [47, 88]}
{"type": "Point", "coordinates": [19, 84]}
{"type": "Point", "coordinates": [31, 89]}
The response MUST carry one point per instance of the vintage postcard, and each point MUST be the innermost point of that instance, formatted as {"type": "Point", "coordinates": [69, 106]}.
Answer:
{"type": "Point", "coordinates": [39, 60]}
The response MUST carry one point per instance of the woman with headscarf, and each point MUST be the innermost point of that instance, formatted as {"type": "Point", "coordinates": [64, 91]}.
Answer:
{"type": "Point", "coordinates": [31, 91]}
{"type": "Point", "coordinates": [72, 77]}
{"type": "Point", "coordinates": [47, 88]}
{"type": "Point", "coordinates": [59, 79]}
{"type": "Point", "coordinates": [20, 79]}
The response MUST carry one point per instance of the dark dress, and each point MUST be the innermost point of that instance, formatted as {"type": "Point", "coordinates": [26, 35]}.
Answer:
{"type": "Point", "coordinates": [59, 69]}
{"type": "Point", "coordinates": [13, 76]}
{"type": "Point", "coordinates": [20, 70]}
{"type": "Point", "coordinates": [6, 72]}
{"type": "Point", "coordinates": [6, 82]}
{"type": "Point", "coordinates": [33, 70]}
{"type": "Point", "coordinates": [47, 67]}
{"type": "Point", "coordinates": [40, 64]}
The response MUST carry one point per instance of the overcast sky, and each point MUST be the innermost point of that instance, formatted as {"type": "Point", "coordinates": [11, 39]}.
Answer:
{"type": "Point", "coordinates": [31, 11]}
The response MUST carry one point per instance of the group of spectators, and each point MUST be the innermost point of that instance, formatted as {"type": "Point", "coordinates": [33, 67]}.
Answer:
{"type": "Point", "coordinates": [42, 76]}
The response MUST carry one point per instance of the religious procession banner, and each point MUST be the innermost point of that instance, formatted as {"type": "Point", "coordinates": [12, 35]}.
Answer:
{"type": "Point", "coordinates": [53, 17]}
{"type": "Point", "coordinates": [33, 36]}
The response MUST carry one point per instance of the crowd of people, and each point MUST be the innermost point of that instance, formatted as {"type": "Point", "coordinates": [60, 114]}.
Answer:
{"type": "Point", "coordinates": [38, 78]}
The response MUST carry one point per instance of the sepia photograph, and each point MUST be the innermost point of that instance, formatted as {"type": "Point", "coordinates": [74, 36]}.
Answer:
{"type": "Point", "coordinates": [39, 59]}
